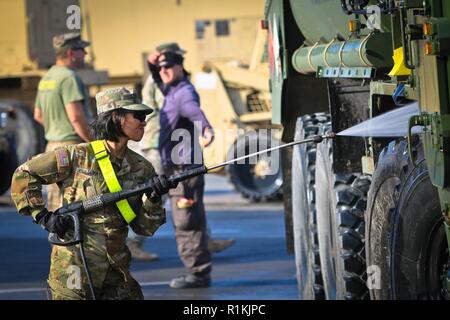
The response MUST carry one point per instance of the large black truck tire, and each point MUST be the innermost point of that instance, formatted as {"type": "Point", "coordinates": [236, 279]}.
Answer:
{"type": "Point", "coordinates": [340, 203]}
{"type": "Point", "coordinates": [8, 160]}
{"type": "Point", "coordinates": [21, 138]}
{"type": "Point", "coordinates": [406, 245]}
{"type": "Point", "coordinates": [250, 178]}
{"type": "Point", "coordinates": [8, 156]}
{"type": "Point", "coordinates": [28, 134]}
{"type": "Point", "coordinates": [306, 247]}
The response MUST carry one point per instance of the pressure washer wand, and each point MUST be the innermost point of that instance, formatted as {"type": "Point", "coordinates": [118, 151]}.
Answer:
{"type": "Point", "coordinates": [72, 210]}
{"type": "Point", "coordinates": [101, 201]}
{"type": "Point", "coordinates": [315, 139]}
{"type": "Point", "coordinates": [204, 169]}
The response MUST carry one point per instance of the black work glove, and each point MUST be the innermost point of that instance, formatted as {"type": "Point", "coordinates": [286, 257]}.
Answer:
{"type": "Point", "coordinates": [53, 222]}
{"type": "Point", "coordinates": [160, 185]}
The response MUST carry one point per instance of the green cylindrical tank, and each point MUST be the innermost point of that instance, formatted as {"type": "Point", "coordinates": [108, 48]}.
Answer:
{"type": "Point", "coordinates": [374, 50]}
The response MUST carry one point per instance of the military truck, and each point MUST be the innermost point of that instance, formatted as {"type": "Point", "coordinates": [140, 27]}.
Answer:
{"type": "Point", "coordinates": [367, 217]}
{"type": "Point", "coordinates": [25, 55]}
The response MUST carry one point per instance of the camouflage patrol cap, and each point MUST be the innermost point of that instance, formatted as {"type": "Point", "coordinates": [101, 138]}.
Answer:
{"type": "Point", "coordinates": [119, 98]}
{"type": "Point", "coordinates": [170, 46]}
{"type": "Point", "coordinates": [70, 40]}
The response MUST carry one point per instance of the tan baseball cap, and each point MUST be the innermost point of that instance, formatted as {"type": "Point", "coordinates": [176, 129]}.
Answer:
{"type": "Point", "coordinates": [170, 46]}
{"type": "Point", "coordinates": [119, 98]}
{"type": "Point", "coordinates": [70, 40]}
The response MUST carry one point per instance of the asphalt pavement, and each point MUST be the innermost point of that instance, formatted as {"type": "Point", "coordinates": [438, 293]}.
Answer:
{"type": "Point", "coordinates": [256, 267]}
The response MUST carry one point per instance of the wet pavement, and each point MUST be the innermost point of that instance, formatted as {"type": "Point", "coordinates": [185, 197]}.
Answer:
{"type": "Point", "coordinates": [256, 267]}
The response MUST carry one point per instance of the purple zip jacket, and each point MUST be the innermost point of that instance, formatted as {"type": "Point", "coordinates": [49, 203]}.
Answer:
{"type": "Point", "coordinates": [182, 122]}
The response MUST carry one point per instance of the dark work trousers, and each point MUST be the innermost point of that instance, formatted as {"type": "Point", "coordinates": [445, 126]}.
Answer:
{"type": "Point", "coordinates": [190, 223]}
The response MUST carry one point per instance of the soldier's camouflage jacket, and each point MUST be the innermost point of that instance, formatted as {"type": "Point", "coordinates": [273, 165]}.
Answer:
{"type": "Point", "coordinates": [76, 171]}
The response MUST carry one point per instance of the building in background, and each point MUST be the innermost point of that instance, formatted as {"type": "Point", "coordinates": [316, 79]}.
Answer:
{"type": "Point", "coordinates": [224, 44]}
{"type": "Point", "coordinates": [207, 29]}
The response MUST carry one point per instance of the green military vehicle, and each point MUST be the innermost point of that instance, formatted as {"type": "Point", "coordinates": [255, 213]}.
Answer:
{"type": "Point", "coordinates": [367, 217]}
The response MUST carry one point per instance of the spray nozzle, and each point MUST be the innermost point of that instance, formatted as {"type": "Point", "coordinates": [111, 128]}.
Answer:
{"type": "Point", "coordinates": [319, 138]}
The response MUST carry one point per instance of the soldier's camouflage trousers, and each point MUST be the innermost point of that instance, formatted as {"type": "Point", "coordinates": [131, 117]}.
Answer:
{"type": "Point", "coordinates": [110, 276]}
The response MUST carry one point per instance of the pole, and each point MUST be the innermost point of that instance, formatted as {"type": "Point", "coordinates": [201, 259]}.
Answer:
{"type": "Point", "coordinates": [99, 202]}
{"type": "Point", "coordinates": [315, 139]}
{"type": "Point", "coordinates": [88, 274]}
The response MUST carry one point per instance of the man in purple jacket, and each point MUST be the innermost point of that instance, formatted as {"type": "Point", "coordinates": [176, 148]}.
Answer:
{"type": "Point", "coordinates": [181, 123]}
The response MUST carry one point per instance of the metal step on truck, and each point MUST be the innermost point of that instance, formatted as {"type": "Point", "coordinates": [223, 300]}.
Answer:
{"type": "Point", "coordinates": [367, 215]}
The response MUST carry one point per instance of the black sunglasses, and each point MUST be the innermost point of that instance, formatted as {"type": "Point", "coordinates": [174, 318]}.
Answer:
{"type": "Point", "coordinates": [139, 115]}
{"type": "Point", "coordinates": [167, 66]}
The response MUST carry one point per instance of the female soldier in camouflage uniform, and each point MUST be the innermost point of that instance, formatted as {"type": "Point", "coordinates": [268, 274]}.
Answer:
{"type": "Point", "coordinates": [76, 171]}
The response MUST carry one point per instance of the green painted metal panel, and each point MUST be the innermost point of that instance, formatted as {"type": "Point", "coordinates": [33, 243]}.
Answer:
{"type": "Point", "coordinates": [332, 19]}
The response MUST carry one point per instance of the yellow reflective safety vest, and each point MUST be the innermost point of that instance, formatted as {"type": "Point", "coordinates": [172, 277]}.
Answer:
{"type": "Point", "coordinates": [111, 179]}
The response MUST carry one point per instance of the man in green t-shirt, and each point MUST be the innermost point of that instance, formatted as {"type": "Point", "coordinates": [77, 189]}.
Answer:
{"type": "Point", "coordinates": [61, 105]}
